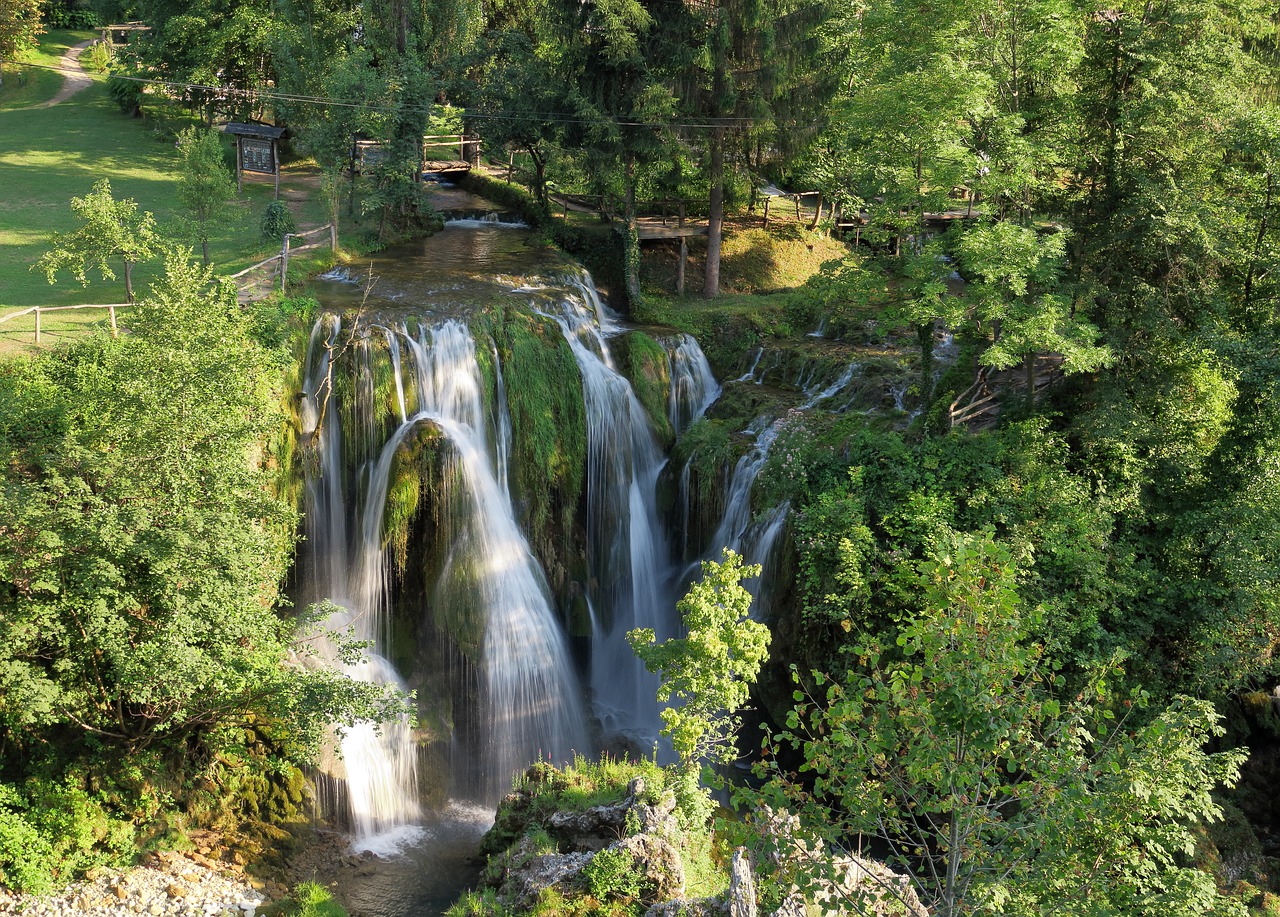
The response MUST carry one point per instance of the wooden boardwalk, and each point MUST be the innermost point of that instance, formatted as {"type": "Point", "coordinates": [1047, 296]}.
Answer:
{"type": "Point", "coordinates": [648, 228]}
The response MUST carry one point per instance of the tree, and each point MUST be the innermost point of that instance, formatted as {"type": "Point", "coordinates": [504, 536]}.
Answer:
{"type": "Point", "coordinates": [1016, 293]}
{"type": "Point", "coordinates": [709, 672]}
{"type": "Point", "coordinates": [110, 230]}
{"type": "Point", "coordinates": [19, 25]}
{"type": "Point", "coordinates": [762, 66]}
{"type": "Point", "coordinates": [951, 748]}
{"type": "Point", "coordinates": [141, 553]}
{"type": "Point", "coordinates": [206, 186]}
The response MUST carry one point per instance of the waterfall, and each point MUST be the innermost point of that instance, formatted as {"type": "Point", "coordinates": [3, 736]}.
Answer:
{"type": "Point", "coordinates": [529, 705]}
{"type": "Point", "coordinates": [693, 386]}
{"type": "Point", "coordinates": [380, 765]}
{"type": "Point", "coordinates": [750, 374]}
{"type": "Point", "coordinates": [631, 576]}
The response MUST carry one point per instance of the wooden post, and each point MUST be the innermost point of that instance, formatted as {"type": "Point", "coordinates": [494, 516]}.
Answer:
{"type": "Point", "coordinates": [766, 210]}
{"type": "Point", "coordinates": [462, 147]}
{"type": "Point", "coordinates": [37, 324]}
{"type": "Point", "coordinates": [680, 221]}
{"type": "Point", "coordinates": [284, 261]}
{"type": "Point", "coordinates": [275, 165]}
{"type": "Point", "coordinates": [115, 332]}
{"type": "Point", "coordinates": [796, 198]}
{"type": "Point", "coordinates": [684, 256]}
{"type": "Point", "coordinates": [333, 237]}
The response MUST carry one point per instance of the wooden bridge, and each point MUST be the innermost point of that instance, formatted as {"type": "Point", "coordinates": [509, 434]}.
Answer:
{"type": "Point", "coordinates": [663, 219]}
{"type": "Point", "coordinates": [436, 148]}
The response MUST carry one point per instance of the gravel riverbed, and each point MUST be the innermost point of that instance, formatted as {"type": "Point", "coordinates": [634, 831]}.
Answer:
{"type": "Point", "coordinates": [171, 885]}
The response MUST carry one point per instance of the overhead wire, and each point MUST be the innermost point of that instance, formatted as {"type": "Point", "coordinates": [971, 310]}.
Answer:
{"type": "Point", "coordinates": [295, 98]}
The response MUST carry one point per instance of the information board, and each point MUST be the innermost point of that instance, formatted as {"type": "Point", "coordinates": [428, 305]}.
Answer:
{"type": "Point", "coordinates": [257, 156]}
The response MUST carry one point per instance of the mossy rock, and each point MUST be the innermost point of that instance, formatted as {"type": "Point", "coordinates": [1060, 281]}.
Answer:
{"type": "Point", "coordinates": [549, 433]}
{"type": "Point", "coordinates": [644, 362]}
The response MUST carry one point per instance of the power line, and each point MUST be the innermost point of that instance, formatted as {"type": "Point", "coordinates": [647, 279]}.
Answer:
{"type": "Point", "coordinates": [293, 98]}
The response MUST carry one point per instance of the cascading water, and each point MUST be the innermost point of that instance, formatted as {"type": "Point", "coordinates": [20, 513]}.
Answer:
{"type": "Point", "coordinates": [379, 764]}
{"type": "Point", "coordinates": [529, 705]}
{"type": "Point", "coordinates": [753, 538]}
{"type": "Point", "coordinates": [631, 575]}
{"type": "Point", "coordinates": [693, 385]}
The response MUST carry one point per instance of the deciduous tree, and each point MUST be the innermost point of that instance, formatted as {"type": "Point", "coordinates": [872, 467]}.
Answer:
{"type": "Point", "coordinates": [110, 230]}
{"type": "Point", "coordinates": [954, 748]}
{"type": "Point", "coordinates": [205, 186]}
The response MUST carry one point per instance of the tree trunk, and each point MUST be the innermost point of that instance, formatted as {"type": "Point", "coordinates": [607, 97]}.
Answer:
{"type": "Point", "coordinates": [632, 253]}
{"type": "Point", "coordinates": [715, 215]}
{"type": "Point", "coordinates": [924, 334]}
{"type": "Point", "coordinates": [539, 178]}
{"type": "Point", "coordinates": [1029, 366]}
{"type": "Point", "coordinates": [204, 248]}
{"type": "Point", "coordinates": [128, 281]}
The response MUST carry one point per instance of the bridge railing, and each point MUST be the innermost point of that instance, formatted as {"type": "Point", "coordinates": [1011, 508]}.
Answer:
{"type": "Point", "coordinates": [278, 264]}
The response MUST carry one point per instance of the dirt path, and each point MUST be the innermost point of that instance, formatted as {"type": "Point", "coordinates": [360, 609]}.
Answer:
{"type": "Point", "coordinates": [76, 79]}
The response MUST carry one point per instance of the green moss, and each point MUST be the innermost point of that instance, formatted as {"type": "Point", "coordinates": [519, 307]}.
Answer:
{"type": "Point", "coordinates": [728, 328]}
{"type": "Point", "coordinates": [414, 468]}
{"type": "Point", "coordinates": [549, 425]}
{"type": "Point", "coordinates": [645, 364]}
{"type": "Point", "coordinates": [459, 610]}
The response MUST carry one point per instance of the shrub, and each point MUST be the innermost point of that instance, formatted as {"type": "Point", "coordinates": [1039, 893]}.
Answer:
{"type": "Point", "coordinates": [276, 221]}
{"type": "Point", "coordinates": [611, 873]}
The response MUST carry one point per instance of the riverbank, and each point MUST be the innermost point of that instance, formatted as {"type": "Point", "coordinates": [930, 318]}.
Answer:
{"type": "Point", "coordinates": [170, 884]}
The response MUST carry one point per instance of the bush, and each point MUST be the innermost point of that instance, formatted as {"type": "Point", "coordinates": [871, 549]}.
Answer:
{"type": "Point", "coordinates": [26, 858]}
{"type": "Point", "coordinates": [612, 874]}
{"type": "Point", "coordinates": [276, 222]}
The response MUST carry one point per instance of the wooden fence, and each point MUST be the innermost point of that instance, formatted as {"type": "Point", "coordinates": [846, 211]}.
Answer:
{"type": "Point", "coordinates": [279, 264]}
{"type": "Point", "coordinates": [40, 310]}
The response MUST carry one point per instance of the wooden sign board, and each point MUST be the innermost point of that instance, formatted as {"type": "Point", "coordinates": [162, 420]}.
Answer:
{"type": "Point", "coordinates": [258, 156]}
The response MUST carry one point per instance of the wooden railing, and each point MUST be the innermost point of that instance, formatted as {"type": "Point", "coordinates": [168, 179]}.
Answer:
{"type": "Point", "coordinates": [40, 310]}
{"type": "Point", "coordinates": [279, 264]}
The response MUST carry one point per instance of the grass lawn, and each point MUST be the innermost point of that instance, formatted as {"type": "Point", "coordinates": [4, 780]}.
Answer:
{"type": "Point", "coordinates": [49, 155]}
{"type": "Point", "coordinates": [28, 86]}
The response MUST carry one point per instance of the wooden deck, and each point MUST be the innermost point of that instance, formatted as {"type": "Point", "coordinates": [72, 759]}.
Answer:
{"type": "Point", "coordinates": [648, 228]}
{"type": "Point", "coordinates": [652, 228]}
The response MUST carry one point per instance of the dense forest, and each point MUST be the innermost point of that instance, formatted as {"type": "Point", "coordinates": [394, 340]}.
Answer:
{"type": "Point", "coordinates": [1022, 622]}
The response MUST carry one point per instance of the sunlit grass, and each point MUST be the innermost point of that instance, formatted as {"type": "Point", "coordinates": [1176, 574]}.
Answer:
{"type": "Point", "coordinates": [26, 85]}
{"type": "Point", "coordinates": [49, 155]}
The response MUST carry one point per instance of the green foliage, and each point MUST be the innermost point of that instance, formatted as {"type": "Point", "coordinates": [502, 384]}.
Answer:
{"type": "Point", "coordinates": [139, 569]}
{"type": "Point", "coordinates": [483, 903]}
{"type": "Point", "coordinates": [835, 545]}
{"type": "Point", "coordinates": [19, 25]}
{"type": "Point", "coordinates": [311, 899]}
{"type": "Point", "coordinates": [709, 672]}
{"type": "Point", "coordinates": [612, 874]}
{"type": "Point", "coordinates": [277, 221]}
{"type": "Point", "coordinates": [110, 230]}
{"type": "Point", "coordinates": [206, 187]}
{"type": "Point", "coordinates": [995, 794]}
